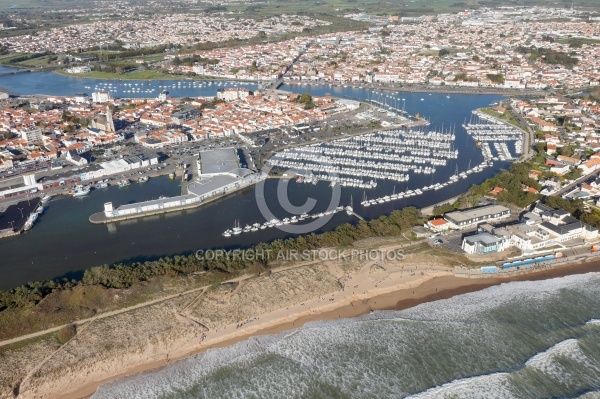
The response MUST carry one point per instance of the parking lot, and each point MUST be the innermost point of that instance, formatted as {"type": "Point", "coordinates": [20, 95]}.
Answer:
{"type": "Point", "coordinates": [450, 241]}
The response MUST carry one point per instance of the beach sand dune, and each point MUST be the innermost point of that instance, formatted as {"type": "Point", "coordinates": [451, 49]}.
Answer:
{"type": "Point", "coordinates": [283, 299]}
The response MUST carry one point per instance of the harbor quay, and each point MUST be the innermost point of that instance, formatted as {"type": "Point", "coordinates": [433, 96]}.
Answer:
{"type": "Point", "coordinates": [220, 175]}
{"type": "Point", "coordinates": [14, 218]}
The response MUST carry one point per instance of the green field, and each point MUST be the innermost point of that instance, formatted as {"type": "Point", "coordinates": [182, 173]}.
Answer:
{"type": "Point", "coordinates": [145, 75]}
{"type": "Point", "coordinates": [507, 116]}
{"type": "Point", "coordinates": [275, 7]}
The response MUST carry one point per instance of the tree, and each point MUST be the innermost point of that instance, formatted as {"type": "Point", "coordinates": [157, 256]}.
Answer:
{"type": "Point", "coordinates": [307, 100]}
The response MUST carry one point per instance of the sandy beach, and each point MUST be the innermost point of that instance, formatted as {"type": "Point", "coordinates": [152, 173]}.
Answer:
{"type": "Point", "coordinates": [391, 287]}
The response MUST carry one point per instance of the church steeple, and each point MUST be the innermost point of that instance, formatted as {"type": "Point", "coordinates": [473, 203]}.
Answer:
{"type": "Point", "coordinates": [110, 126]}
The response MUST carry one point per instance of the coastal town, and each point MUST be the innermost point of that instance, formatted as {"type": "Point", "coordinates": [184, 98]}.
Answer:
{"type": "Point", "coordinates": [104, 136]}
{"type": "Point", "coordinates": [177, 178]}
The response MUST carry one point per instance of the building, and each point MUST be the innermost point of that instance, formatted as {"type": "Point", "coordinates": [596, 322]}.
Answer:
{"type": "Point", "coordinates": [104, 122]}
{"type": "Point", "coordinates": [483, 244]}
{"type": "Point", "coordinates": [81, 98]}
{"type": "Point", "coordinates": [198, 69]}
{"type": "Point", "coordinates": [32, 135]}
{"type": "Point", "coordinates": [19, 185]}
{"type": "Point", "coordinates": [101, 96]}
{"type": "Point", "coordinates": [437, 225]}
{"type": "Point", "coordinates": [219, 161]}
{"type": "Point", "coordinates": [77, 160]}
{"type": "Point", "coordinates": [79, 69]}
{"type": "Point", "coordinates": [162, 97]}
{"type": "Point", "coordinates": [233, 94]}
{"type": "Point", "coordinates": [541, 228]}
{"type": "Point", "coordinates": [128, 163]}
{"type": "Point", "coordinates": [471, 217]}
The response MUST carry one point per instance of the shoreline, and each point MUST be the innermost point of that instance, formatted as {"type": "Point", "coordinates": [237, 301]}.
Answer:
{"type": "Point", "coordinates": [166, 77]}
{"type": "Point", "coordinates": [405, 89]}
{"type": "Point", "coordinates": [432, 287]}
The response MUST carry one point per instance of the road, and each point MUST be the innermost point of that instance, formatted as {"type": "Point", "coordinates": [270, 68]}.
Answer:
{"type": "Point", "coordinates": [575, 183]}
{"type": "Point", "coordinates": [528, 138]}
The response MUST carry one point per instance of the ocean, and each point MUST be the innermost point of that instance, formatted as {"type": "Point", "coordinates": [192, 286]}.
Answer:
{"type": "Point", "coordinates": [517, 340]}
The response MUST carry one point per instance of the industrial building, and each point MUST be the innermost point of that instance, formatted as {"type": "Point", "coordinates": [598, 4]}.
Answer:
{"type": "Point", "coordinates": [19, 185]}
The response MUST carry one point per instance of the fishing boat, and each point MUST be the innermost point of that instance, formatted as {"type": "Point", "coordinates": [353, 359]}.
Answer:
{"type": "Point", "coordinates": [101, 185]}
{"type": "Point", "coordinates": [46, 199]}
{"type": "Point", "coordinates": [143, 179]}
{"type": "Point", "coordinates": [30, 221]}
{"type": "Point", "coordinates": [124, 183]}
{"type": "Point", "coordinates": [172, 175]}
{"type": "Point", "coordinates": [80, 191]}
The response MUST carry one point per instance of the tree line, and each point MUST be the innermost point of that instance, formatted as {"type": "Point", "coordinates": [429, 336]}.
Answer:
{"type": "Point", "coordinates": [123, 275]}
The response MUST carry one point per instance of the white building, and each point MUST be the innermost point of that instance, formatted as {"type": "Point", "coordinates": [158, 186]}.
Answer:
{"type": "Point", "coordinates": [79, 69]}
{"type": "Point", "coordinates": [483, 244]}
{"type": "Point", "coordinates": [198, 69]}
{"type": "Point", "coordinates": [542, 228]}
{"type": "Point", "coordinates": [32, 135]}
{"type": "Point", "coordinates": [471, 217]}
{"type": "Point", "coordinates": [20, 185]}
{"type": "Point", "coordinates": [101, 96]}
{"type": "Point", "coordinates": [233, 93]}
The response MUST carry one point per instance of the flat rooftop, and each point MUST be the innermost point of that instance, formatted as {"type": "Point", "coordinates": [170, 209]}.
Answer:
{"type": "Point", "coordinates": [155, 202]}
{"type": "Point", "coordinates": [219, 160]}
{"type": "Point", "coordinates": [206, 185]}
{"type": "Point", "coordinates": [463, 216]}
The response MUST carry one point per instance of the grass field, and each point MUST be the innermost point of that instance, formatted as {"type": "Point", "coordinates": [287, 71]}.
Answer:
{"type": "Point", "coordinates": [333, 7]}
{"type": "Point", "coordinates": [507, 116]}
{"type": "Point", "coordinates": [382, 7]}
{"type": "Point", "coordinates": [145, 75]}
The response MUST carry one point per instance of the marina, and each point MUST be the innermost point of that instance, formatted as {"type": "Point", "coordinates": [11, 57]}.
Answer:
{"type": "Point", "coordinates": [361, 160]}
{"type": "Point", "coordinates": [53, 84]}
{"type": "Point", "coordinates": [486, 130]}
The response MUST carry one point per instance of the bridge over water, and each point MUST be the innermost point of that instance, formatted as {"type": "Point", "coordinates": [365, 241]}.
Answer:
{"type": "Point", "coordinates": [15, 72]}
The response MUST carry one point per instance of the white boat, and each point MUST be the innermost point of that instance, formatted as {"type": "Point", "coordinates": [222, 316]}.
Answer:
{"type": "Point", "coordinates": [101, 185]}
{"type": "Point", "coordinates": [124, 183]}
{"type": "Point", "coordinates": [80, 191]}
{"type": "Point", "coordinates": [46, 199]}
{"type": "Point", "coordinates": [27, 225]}
{"type": "Point", "coordinates": [143, 179]}
{"type": "Point", "coordinates": [30, 221]}
{"type": "Point", "coordinates": [236, 228]}
{"type": "Point", "coordinates": [227, 233]}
